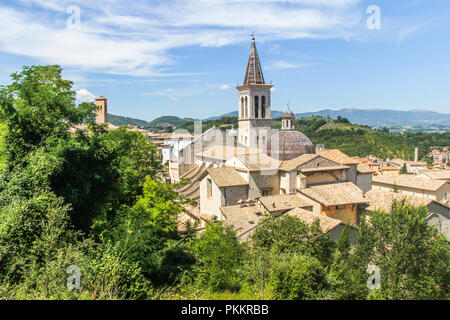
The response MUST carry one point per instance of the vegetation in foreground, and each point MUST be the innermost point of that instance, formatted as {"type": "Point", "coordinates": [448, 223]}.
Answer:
{"type": "Point", "coordinates": [95, 199]}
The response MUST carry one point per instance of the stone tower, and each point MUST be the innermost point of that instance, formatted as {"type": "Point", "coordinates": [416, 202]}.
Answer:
{"type": "Point", "coordinates": [254, 104]}
{"type": "Point", "coordinates": [288, 120]}
{"type": "Point", "coordinates": [102, 110]}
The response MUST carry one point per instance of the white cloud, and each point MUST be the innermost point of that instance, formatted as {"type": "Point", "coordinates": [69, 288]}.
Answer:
{"type": "Point", "coordinates": [136, 40]}
{"type": "Point", "coordinates": [224, 87]}
{"type": "Point", "coordinates": [411, 29]}
{"type": "Point", "coordinates": [174, 98]}
{"type": "Point", "coordinates": [84, 95]}
{"type": "Point", "coordinates": [281, 64]}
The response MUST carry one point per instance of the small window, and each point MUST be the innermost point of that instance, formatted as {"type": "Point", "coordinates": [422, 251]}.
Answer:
{"type": "Point", "coordinates": [266, 193]}
{"type": "Point", "coordinates": [209, 188]}
{"type": "Point", "coordinates": [446, 196]}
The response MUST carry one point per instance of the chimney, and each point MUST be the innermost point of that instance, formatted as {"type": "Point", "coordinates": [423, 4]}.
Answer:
{"type": "Point", "coordinates": [101, 116]}
{"type": "Point", "coordinates": [416, 155]}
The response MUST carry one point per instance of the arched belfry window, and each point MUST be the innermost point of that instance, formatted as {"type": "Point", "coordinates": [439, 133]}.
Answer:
{"type": "Point", "coordinates": [246, 108]}
{"type": "Point", "coordinates": [263, 107]}
{"type": "Point", "coordinates": [242, 107]}
{"type": "Point", "coordinates": [256, 106]}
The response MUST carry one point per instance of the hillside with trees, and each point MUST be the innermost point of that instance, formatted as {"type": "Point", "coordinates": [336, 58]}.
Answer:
{"type": "Point", "coordinates": [95, 201]}
{"type": "Point", "coordinates": [352, 139]}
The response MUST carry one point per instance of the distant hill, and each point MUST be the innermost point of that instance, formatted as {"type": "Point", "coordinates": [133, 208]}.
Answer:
{"type": "Point", "coordinates": [159, 123]}
{"type": "Point", "coordinates": [124, 121]}
{"type": "Point", "coordinates": [373, 117]}
{"type": "Point", "coordinates": [168, 121]}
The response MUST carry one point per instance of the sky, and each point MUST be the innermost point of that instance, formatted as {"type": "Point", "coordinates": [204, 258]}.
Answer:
{"type": "Point", "coordinates": [185, 57]}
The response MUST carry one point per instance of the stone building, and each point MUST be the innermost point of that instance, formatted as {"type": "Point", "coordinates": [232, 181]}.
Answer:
{"type": "Point", "coordinates": [416, 186]}
{"type": "Point", "coordinates": [239, 177]}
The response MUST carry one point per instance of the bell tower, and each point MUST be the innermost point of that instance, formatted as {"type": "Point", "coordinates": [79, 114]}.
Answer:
{"type": "Point", "coordinates": [101, 116]}
{"type": "Point", "coordinates": [254, 104]}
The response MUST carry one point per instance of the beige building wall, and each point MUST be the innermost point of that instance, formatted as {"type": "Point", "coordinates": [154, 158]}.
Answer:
{"type": "Point", "coordinates": [318, 178]}
{"type": "Point", "coordinates": [415, 192]}
{"type": "Point", "coordinates": [346, 213]}
{"type": "Point", "coordinates": [288, 182]}
{"type": "Point", "coordinates": [211, 205]}
{"type": "Point", "coordinates": [233, 194]}
{"type": "Point", "coordinates": [220, 197]}
{"type": "Point", "coordinates": [259, 182]}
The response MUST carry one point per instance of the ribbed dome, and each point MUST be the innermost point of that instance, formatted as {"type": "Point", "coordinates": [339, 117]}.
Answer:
{"type": "Point", "coordinates": [288, 114]}
{"type": "Point", "coordinates": [289, 144]}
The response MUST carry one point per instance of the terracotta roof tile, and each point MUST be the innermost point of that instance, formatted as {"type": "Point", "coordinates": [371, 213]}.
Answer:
{"type": "Point", "coordinates": [335, 194]}
{"type": "Point", "coordinates": [337, 156]}
{"type": "Point", "coordinates": [308, 217]}
{"type": "Point", "coordinates": [258, 161]}
{"type": "Point", "coordinates": [226, 177]}
{"type": "Point", "coordinates": [283, 202]}
{"type": "Point", "coordinates": [242, 219]}
{"type": "Point", "coordinates": [438, 174]}
{"type": "Point", "coordinates": [410, 181]}
{"type": "Point", "coordinates": [291, 165]}
{"type": "Point", "coordinates": [364, 168]}
{"type": "Point", "coordinates": [382, 200]}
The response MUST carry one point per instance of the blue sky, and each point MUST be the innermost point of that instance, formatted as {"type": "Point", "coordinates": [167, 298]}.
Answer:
{"type": "Point", "coordinates": [184, 58]}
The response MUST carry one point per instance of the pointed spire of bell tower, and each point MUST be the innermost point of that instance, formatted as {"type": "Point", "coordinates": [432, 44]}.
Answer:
{"type": "Point", "coordinates": [254, 74]}
{"type": "Point", "coordinates": [254, 104]}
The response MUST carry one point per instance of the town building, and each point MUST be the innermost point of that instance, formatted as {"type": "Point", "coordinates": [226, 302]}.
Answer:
{"type": "Point", "coordinates": [242, 175]}
{"type": "Point", "coordinates": [416, 186]}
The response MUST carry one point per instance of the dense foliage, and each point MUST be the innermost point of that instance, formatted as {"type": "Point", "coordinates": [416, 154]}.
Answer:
{"type": "Point", "coordinates": [95, 199]}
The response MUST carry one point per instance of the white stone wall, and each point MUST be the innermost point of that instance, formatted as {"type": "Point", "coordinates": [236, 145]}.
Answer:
{"type": "Point", "coordinates": [211, 205]}
{"type": "Point", "coordinates": [427, 194]}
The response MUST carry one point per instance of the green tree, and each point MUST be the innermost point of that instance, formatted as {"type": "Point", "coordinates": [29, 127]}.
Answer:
{"type": "Point", "coordinates": [219, 255]}
{"type": "Point", "coordinates": [404, 169]}
{"type": "Point", "coordinates": [412, 256]}
{"type": "Point", "coordinates": [296, 277]}
{"type": "Point", "coordinates": [288, 234]}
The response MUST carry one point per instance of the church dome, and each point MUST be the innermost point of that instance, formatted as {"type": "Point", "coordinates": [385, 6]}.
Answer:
{"type": "Point", "coordinates": [288, 114]}
{"type": "Point", "coordinates": [289, 144]}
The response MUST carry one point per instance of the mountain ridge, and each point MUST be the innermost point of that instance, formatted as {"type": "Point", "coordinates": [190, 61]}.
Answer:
{"type": "Point", "coordinates": [372, 117]}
